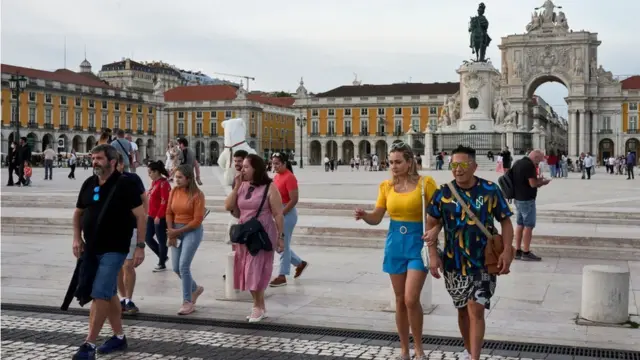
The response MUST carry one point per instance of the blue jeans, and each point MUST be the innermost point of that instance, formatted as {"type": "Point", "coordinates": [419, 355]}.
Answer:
{"type": "Point", "coordinates": [182, 256]}
{"type": "Point", "coordinates": [105, 284]}
{"type": "Point", "coordinates": [526, 213]}
{"type": "Point", "coordinates": [48, 169]}
{"type": "Point", "coordinates": [288, 257]}
{"type": "Point", "coordinates": [552, 169]}
{"type": "Point", "coordinates": [158, 247]}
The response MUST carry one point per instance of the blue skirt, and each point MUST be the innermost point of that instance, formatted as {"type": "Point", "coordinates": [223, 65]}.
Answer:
{"type": "Point", "coordinates": [402, 250]}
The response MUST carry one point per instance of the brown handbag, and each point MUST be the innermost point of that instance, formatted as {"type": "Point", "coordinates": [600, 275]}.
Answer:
{"type": "Point", "coordinates": [495, 245]}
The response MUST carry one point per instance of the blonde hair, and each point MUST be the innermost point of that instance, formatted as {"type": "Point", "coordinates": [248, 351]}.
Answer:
{"type": "Point", "coordinates": [407, 155]}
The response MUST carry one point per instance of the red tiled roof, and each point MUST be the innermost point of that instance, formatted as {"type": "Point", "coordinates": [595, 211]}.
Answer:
{"type": "Point", "coordinates": [392, 90]}
{"type": "Point", "coordinates": [631, 83]}
{"type": "Point", "coordinates": [64, 76]}
{"type": "Point", "coordinates": [220, 93]}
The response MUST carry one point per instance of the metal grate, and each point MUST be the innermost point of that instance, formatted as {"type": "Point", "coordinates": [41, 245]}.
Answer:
{"type": "Point", "coordinates": [354, 334]}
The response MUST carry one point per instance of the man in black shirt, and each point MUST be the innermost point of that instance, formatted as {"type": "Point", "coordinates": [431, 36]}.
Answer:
{"type": "Point", "coordinates": [103, 216]}
{"type": "Point", "coordinates": [526, 184]}
{"type": "Point", "coordinates": [506, 158]}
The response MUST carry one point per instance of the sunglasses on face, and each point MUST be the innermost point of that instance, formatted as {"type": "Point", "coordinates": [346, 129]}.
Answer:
{"type": "Point", "coordinates": [96, 193]}
{"type": "Point", "coordinates": [462, 165]}
{"type": "Point", "coordinates": [249, 192]}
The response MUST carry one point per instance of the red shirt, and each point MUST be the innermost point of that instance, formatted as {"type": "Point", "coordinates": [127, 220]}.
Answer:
{"type": "Point", "coordinates": [552, 160]}
{"type": "Point", "coordinates": [286, 182]}
{"type": "Point", "coordinates": [158, 197]}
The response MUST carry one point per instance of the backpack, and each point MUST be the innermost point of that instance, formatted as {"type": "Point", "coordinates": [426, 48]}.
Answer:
{"type": "Point", "coordinates": [506, 184]}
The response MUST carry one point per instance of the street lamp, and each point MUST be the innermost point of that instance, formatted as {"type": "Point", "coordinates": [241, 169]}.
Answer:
{"type": "Point", "coordinates": [17, 83]}
{"type": "Point", "coordinates": [301, 122]}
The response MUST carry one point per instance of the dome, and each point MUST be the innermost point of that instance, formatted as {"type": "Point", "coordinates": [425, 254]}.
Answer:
{"type": "Point", "coordinates": [85, 66]}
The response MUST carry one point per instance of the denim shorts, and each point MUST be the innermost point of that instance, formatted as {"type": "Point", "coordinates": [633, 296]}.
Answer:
{"type": "Point", "coordinates": [105, 284]}
{"type": "Point", "coordinates": [526, 213]}
{"type": "Point", "coordinates": [403, 248]}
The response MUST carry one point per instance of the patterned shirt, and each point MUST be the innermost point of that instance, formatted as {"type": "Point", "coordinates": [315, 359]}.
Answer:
{"type": "Point", "coordinates": [464, 241]}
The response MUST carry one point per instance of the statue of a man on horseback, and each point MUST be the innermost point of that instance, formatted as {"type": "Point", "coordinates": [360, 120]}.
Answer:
{"type": "Point", "coordinates": [480, 40]}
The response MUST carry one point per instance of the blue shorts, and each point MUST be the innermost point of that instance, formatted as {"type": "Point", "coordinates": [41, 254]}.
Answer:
{"type": "Point", "coordinates": [105, 284]}
{"type": "Point", "coordinates": [403, 248]}
{"type": "Point", "coordinates": [526, 213]}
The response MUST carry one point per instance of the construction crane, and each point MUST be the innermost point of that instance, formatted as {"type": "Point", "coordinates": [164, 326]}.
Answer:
{"type": "Point", "coordinates": [247, 78]}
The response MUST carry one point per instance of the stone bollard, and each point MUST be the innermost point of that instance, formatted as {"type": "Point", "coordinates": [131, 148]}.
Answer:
{"type": "Point", "coordinates": [605, 294]}
{"type": "Point", "coordinates": [229, 292]}
{"type": "Point", "coordinates": [425, 297]}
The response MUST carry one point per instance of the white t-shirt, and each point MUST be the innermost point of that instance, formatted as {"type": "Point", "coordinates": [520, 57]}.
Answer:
{"type": "Point", "coordinates": [134, 148]}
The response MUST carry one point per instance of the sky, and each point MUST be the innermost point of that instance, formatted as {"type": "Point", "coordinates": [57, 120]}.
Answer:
{"type": "Point", "coordinates": [278, 42]}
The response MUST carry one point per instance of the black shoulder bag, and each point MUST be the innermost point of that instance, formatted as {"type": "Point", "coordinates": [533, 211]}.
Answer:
{"type": "Point", "coordinates": [252, 233]}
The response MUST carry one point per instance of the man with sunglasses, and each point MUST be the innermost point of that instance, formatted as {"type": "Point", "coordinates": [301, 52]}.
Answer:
{"type": "Point", "coordinates": [465, 274]}
{"type": "Point", "coordinates": [103, 216]}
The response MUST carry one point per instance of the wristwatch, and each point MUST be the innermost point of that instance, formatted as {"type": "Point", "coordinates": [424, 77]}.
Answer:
{"type": "Point", "coordinates": [140, 245]}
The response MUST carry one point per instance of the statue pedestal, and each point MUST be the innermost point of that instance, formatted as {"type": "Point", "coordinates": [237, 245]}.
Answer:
{"type": "Point", "coordinates": [476, 96]}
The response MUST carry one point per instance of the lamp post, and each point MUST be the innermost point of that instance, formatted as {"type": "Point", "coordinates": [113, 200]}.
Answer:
{"type": "Point", "coordinates": [17, 83]}
{"type": "Point", "coordinates": [301, 122]}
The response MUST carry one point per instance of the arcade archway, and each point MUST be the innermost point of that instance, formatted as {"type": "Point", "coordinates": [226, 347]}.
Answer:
{"type": "Point", "coordinates": [315, 152]}
{"type": "Point", "coordinates": [332, 150]}
{"type": "Point", "coordinates": [381, 149]}
{"type": "Point", "coordinates": [91, 143]}
{"type": "Point", "coordinates": [364, 149]}
{"type": "Point", "coordinates": [347, 151]}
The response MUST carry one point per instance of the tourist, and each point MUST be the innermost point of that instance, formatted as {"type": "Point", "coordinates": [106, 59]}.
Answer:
{"type": "Point", "coordinates": [23, 154]}
{"type": "Point", "coordinates": [171, 158]}
{"type": "Point", "coordinates": [552, 161]}
{"type": "Point", "coordinates": [105, 137]}
{"type": "Point", "coordinates": [631, 162]}
{"type": "Point", "coordinates": [49, 157]}
{"type": "Point", "coordinates": [127, 276]}
{"type": "Point", "coordinates": [506, 158]}
{"type": "Point", "coordinates": [402, 198]}
{"type": "Point", "coordinates": [526, 183]}
{"type": "Point", "coordinates": [28, 172]}
{"type": "Point", "coordinates": [123, 146]}
{"type": "Point", "coordinates": [103, 216]}
{"type": "Point", "coordinates": [188, 157]}
{"type": "Point", "coordinates": [135, 153]}
{"type": "Point", "coordinates": [287, 185]}
{"type": "Point", "coordinates": [12, 158]}
{"type": "Point", "coordinates": [466, 276]}
{"type": "Point", "coordinates": [499, 168]}
{"type": "Point", "coordinates": [157, 221]}
{"type": "Point", "coordinates": [564, 165]}
{"type": "Point", "coordinates": [72, 164]}
{"type": "Point", "coordinates": [248, 200]}
{"type": "Point", "coordinates": [238, 160]}
{"type": "Point", "coordinates": [185, 212]}
{"type": "Point", "coordinates": [588, 163]}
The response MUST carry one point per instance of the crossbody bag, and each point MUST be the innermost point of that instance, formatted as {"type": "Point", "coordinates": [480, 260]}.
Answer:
{"type": "Point", "coordinates": [495, 245]}
{"type": "Point", "coordinates": [129, 156]}
{"type": "Point", "coordinates": [252, 231]}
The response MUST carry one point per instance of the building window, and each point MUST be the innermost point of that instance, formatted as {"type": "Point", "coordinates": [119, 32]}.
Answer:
{"type": "Point", "coordinates": [116, 122]}
{"type": "Point", "coordinates": [213, 128]}
{"type": "Point", "coordinates": [78, 121]}
{"type": "Point", "coordinates": [92, 104]}
{"type": "Point", "coordinates": [150, 124]}
{"type": "Point", "coordinates": [314, 112]}
{"type": "Point", "coordinates": [116, 106]}
{"type": "Point", "coordinates": [79, 102]}
{"type": "Point", "coordinates": [227, 114]}
{"type": "Point", "coordinates": [32, 96]}
{"type": "Point", "coordinates": [128, 123]}
{"type": "Point", "coordinates": [104, 104]}
{"type": "Point", "coordinates": [180, 115]}
{"type": "Point", "coordinates": [181, 128]}
{"type": "Point", "coordinates": [128, 107]}
{"type": "Point", "coordinates": [332, 112]}
{"type": "Point", "coordinates": [63, 118]}
{"type": "Point", "coordinates": [415, 110]}
{"type": "Point", "coordinates": [433, 110]}
{"type": "Point", "coordinates": [63, 100]}
{"type": "Point", "coordinates": [92, 120]}
{"type": "Point", "coordinates": [381, 111]}
{"type": "Point", "coordinates": [347, 127]}
{"type": "Point", "coordinates": [150, 110]}
{"type": "Point", "coordinates": [139, 108]}
{"type": "Point", "coordinates": [199, 129]}
{"type": "Point", "coordinates": [415, 125]}
{"type": "Point", "coordinates": [364, 111]}
{"type": "Point", "coordinates": [13, 112]}
{"type": "Point", "coordinates": [198, 114]}
{"type": "Point", "coordinates": [606, 123]}
{"type": "Point", "coordinates": [347, 112]}
{"type": "Point", "coordinates": [331, 127]}
{"type": "Point", "coordinates": [139, 123]}
{"type": "Point", "coordinates": [104, 123]}
{"type": "Point", "coordinates": [214, 114]}
{"type": "Point", "coordinates": [397, 127]}
{"type": "Point", "coordinates": [633, 122]}
{"type": "Point", "coordinates": [47, 116]}
{"type": "Point", "coordinates": [633, 106]}
{"type": "Point", "coordinates": [398, 111]}
{"type": "Point", "coordinates": [47, 98]}
{"type": "Point", "coordinates": [32, 115]}
{"type": "Point", "coordinates": [364, 127]}
{"type": "Point", "coordinates": [315, 127]}
{"type": "Point", "coordinates": [253, 115]}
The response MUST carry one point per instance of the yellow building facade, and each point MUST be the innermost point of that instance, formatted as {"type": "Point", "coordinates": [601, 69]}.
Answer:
{"type": "Point", "coordinates": [74, 107]}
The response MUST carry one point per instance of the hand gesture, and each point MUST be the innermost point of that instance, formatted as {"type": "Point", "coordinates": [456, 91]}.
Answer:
{"type": "Point", "coordinates": [78, 247]}
{"type": "Point", "coordinates": [435, 265]}
{"type": "Point", "coordinates": [198, 181]}
{"type": "Point", "coordinates": [431, 236]}
{"type": "Point", "coordinates": [138, 257]}
{"type": "Point", "coordinates": [280, 246]}
{"type": "Point", "coordinates": [237, 181]}
{"type": "Point", "coordinates": [172, 242]}
{"type": "Point", "coordinates": [358, 214]}
{"type": "Point", "coordinates": [504, 261]}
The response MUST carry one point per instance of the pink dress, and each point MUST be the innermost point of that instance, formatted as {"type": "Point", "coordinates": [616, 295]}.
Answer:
{"type": "Point", "coordinates": [253, 273]}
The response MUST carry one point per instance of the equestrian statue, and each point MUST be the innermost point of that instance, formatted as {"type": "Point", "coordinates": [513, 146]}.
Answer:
{"type": "Point", "coordinates": [479, 38]}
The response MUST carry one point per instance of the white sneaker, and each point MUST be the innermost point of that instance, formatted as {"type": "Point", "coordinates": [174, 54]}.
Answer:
{"type": "Point", "coordinates": [465, 355]}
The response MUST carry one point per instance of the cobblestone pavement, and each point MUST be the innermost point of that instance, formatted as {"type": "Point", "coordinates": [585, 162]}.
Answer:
{"type": "Point", "coordinates": [54, 336]}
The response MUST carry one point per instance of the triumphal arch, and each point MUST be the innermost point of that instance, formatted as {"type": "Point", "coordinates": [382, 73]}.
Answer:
{"type": "Point", "coordinates": [550, 51]}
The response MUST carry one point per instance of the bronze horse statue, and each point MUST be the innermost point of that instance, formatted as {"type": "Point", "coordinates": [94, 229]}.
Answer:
{"type": "Point", "coordinates": [479, 39]}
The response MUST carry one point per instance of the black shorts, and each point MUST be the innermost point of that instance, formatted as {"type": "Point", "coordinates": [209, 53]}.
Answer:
{"type": "Point", "coordinates": [478, 287]}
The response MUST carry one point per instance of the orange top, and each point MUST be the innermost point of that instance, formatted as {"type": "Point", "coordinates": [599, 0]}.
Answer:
{"type": "Point", "coordinates": [181, 210]}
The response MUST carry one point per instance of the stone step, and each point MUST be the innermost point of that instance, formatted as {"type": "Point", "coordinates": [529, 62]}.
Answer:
{"type": "Point", "coordinates": [597, 241]}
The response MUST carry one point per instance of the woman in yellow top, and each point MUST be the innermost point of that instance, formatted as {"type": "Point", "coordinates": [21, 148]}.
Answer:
{"type": "Point", "coordinates": [401, 197]}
